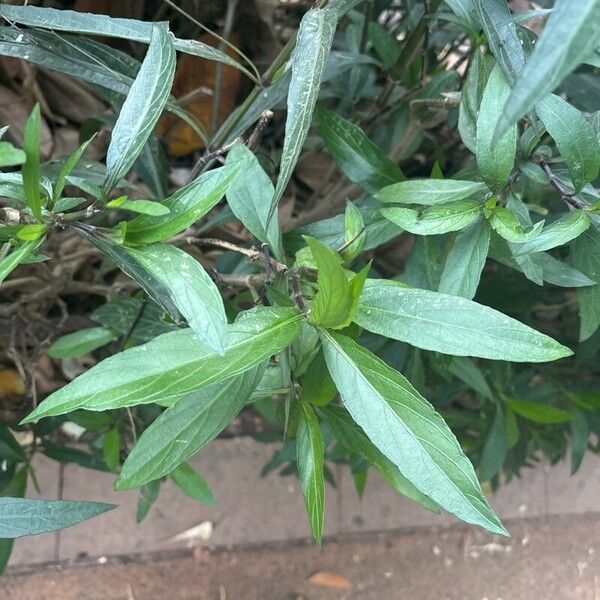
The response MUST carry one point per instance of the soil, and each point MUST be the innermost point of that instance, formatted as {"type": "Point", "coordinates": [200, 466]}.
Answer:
{"type": "Point", "coordinates": [547, 559]}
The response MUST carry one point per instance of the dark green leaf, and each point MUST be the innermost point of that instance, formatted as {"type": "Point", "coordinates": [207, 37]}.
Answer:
{"type": "Point", "coordinates": [65, 170]}
{"type": "Point", "coordinates": [586, 258]}
{"type": "Point", "coordinates": [148, 496]}
{"type": "Point", "coordinates": [494, 449]}
{"type": "Point", "coordinates": [11, 156]}
{"type": "Point", "coordinates": [20, 517]}
{"type": "Point", "coordinates": [9, 447]}
{"type": "Point", "coordinates": [111, 448]}
{"type": "Point", "coordinates": [192, 484]}
{"type": "Point", "coordinates": [430, 191]}
{"type": "Point", "coordinates": [31, 168]}
{"type": "Point", "coordinates": [81, 342]}
{"type": "Point", "coordinates": [580, 432]}
{"type": "Point", "coordinates": [407, 430]}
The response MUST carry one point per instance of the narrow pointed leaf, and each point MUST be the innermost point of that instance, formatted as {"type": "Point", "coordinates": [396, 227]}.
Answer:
{"type": "Point", "coordinates": [451, 325]}
{"type": "Point", "coordinates": [31, 168]}
{"type": "Point", "coordinates": [187, 427]}
{"type": "Point", "coordinates": [17, 256]}
{"type": "Point", "coordinates": [81, 342]}
{"type": "Point", "coordinates": [174, 364]}
{"type": "Point", "coordinates": [430, 191]}
{"type": "Point", "coordinates": [310, 451]}
{"type": "Point", "coordinates": [586, 258]}
{"type": "Point", "coordinates": [568, 39]}
{"type": "Point", "coordinates": [192, 484]}
{"type": "Point", "coordinates": [313, 44]}
{"type": "Point", "coordinates": [68, 165]}
{"type": "Point", "coordinates": [407, 430]}
{"type": "Point", "coordinates": [20, 517]}
{"type": "Point", "coordinates": [143, 106]}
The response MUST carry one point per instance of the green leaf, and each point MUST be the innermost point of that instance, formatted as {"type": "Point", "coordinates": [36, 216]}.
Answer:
{"type": "Point", "coordinates": [586, 258]}
{"type": "Point", "coordinates": [249, 197]}
{"type": "Point", "coordinates": [501, 33]}
{"type": "Point", "coordinates": [451, 325]}
{"type": "Point", "coordinates": [469, 373]}
{"type": "Point", "coordinates": [186, 206]}
{"type": "Point", "coordinates": [143, 106]}
{"type": "Point", "coordinates": [495, 448]}
{"type": "Point", "coordinates": [317, 386]}
{"type": "Point", "coordinates": [190, 288]}
{"type": "Point", "coordinates": [357, 156]}
{"type": "Point", "coordinates": [574, 137]}
{"type": "Point", "coordinates": [313, 44]}
{"type": "Point", "coordinates": [506, 225]}
{"type": "Point", "coordinates": [192, 484]}
{"type": "Point", "coordinates": [101, 25]}
{"type": "Point", "coordinates": [186, 427]}
{"type": "Point", "coordinates": [111, 448]}
{"type": "Point", "coordinates": [480, 67]}
{"type": "Point", "coordinates": [495, 158]}
{"type": "Point", "coordinates": [15, 488]}
{"type": "Point", "coordinates": [65, 170]}
{"type": "Point", "coordinates": [11, 156]}
{"type": "Point", "coordinates": [559, 273]}
{"type": "Point", "coordinates": [465, 261]}
{"type": "Point", "coordinates": [9, 447]}
{"type": "Point", "coordinates": [31, 168]}
{"type": "Point", "coordinates": [148, 496]}
{"type": "Point", "coordinates": [143, 207]}
{"type": "Point", "coordinates": [81, 342]}
{"type": "Point", "coordinates": [559, 232]}
{"type": "Point", "coordinates": [537, 412]}
{"type": "Point", "coordinates": [310, 452]}
{"type": "Point", "coordinates": [20, 517]}
{"type": "Point", "coordinates": [568, 38]}
{"type": "Point", "coordinates": [465, 10]}
{"type": "Point", "coordinates": [174, 364]}
{"type": "Point", "coordinates": [580, 433]}
{"type": "Point", "coordinates": [407, 430]}
{"type": "Point", "coordinates": [436, 219]}
{"type": "Point", "coordinates": [350, 435]}
{"type": "Point", "coordinates": [16, 257]}
{"type": "Point", "coordinates": [430, 191]}
{"type": "Point", "coordinates": [354, 232]}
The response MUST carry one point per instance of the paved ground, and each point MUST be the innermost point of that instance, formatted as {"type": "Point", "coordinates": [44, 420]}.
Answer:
{"type": "Point", "coordinates": [548, 558]}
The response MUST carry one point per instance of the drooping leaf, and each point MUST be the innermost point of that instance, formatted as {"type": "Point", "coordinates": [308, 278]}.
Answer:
{"type": "Point", "coordinates": [192, 484]}
{"type": "Point", "coordinates": [19, 517]}
{"type": "Point", "coordinates": [494, 449]}
{"type": "Point", "coordinates": [143, 106]}
{"type": "Point", "coordinates": [313, 44]}
{"type": "Point", "coordinates": [559, 232]}
{"type": "Point", "coordinates": [430, 191]}
{"type": "Point", "coordinates": [407, 430]}
{"type": "Point", "coordinates": [17, 256]}
{"type": "Point", "coordinates": [560, 273]}
{"type": "Point", "coordinates": [451, 325]}
{"type": "Point", "coordinates": [568, 38]}
{"type": "Point", "coordinates": [111, 448]}
{"type": "Point", "coordinates": [186, 427]}
{"type": "Point", "coordinates": [355, 440]}
{"type": "Point", "coordinates": [357, 156]}
{"type": "Point", "coordinates": [186, 206]}
{"type": "Point", "coordinates": [81, 342]}
{"type": "Point", "coordinates": [174, 364]}
{"type": "Point", "coordinates": [435, 220]}
{"type": "Point", "coordinates": [148, 496]}
{"type": "Point", "coordinates": [501, 33]}
{"type": "Point", "coordinates": [574, 137]}
{"type": "Point", "coordinates": [465, 261]}
{"type": "Point", "coordinates": [495, 158]}
{"type": "Point", "coordinates": [249, 198]}
{"type": "Point", "coordinates": [586, 258]}
{"type": "Point", "coordinates": [310, 451]}
{"type": "Point", "coordinates": [31, 168]}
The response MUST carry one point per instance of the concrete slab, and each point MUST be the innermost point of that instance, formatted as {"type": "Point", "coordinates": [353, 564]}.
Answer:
{"type": "Point", "coordinates": [41, 548]}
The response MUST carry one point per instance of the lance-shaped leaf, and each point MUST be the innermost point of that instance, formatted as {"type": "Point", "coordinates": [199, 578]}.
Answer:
{"type": "Point", "coordinates": [143, 106]}
{"type": "Point", "coordinates": [81, 342]}
{"type": "Point", "coordinates": [495, 158]}
{"type": "Point", "coordinates": [348, 433]}
{"type": "Point", "coordinates": [568, 39]}
{"type": "Point", "coordinates": [308, 62]}
{"type": "Point", "coordinates": [501, 33]}
{"type": "Point", "coordinates": [574, 136]}
{"type": "Point", "coordinates": [186, 206]}
{"type": "Point", "coordinates": [186, 427]}
{"type": "Point", "coordinates": [175, 364]}
{"type": "Point", "coordinates": [310, 453]}
{"type": "Point", "coordinates": [407, 430]}
{"type": "Point", "coordinates": [435, 220]}
{"type": "Point", "coordinates": [31, 168]}
{"type": "Point", "coordinates": [466, 260]}
{"type": "Point", "coordinates": [19, 517]}
{"type": "Point", "coordinates": [249, 198]}
{"type": "Point", "coordinates": [190, 288]}
{"type": "Point", "coordinates": [586, 257]}
{"type": "Point", "coordinates": [17, 256]}
{"type": "Point", "coordinates": [356, 155]}
{"type": "Point", "coordinates": [192, 484]}
{"type": "Point", "coordinates": [102, 25]}
{"type": "Point", "coordinates": [430, 191]}
{"type": "Point", "coordinates": [559, 232]}
{"type": "Point", "coordinates": [451, 325]}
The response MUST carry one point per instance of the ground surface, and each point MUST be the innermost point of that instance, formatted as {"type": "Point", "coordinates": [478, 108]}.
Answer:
{"type": "Point", "coordinates": [550, 558]}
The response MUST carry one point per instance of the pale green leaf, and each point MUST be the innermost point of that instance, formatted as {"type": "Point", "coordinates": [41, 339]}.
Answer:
{"type": "Point", "coordinates": [31, 168]}
{"type": "Point", "coordinates": [430, 191]}
{"type": "Point", "coordinates": [538, 412]}
{"type": "Point", "coordinates": [81, 342]}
